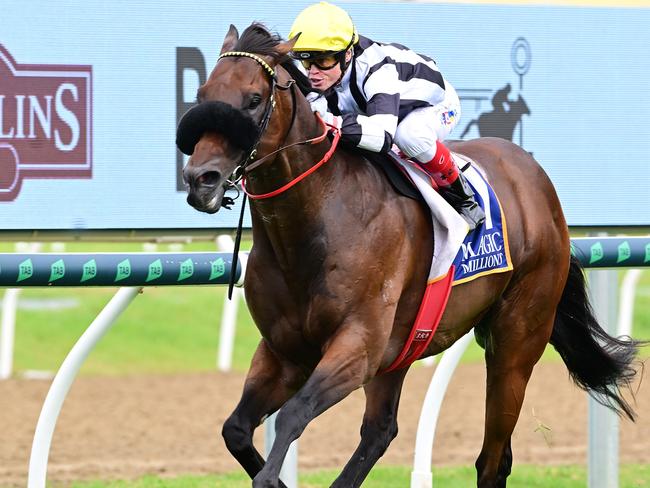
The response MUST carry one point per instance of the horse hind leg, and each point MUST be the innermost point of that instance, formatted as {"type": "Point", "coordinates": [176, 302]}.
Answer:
{"type": "Point", "coordinates": [379, 427]}
{"type": "Point", "coordinates": [264, 393]}
{"type": "Point", "coordinates": [517, 333]}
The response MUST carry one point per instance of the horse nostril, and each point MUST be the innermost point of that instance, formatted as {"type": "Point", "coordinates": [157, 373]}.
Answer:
{"type": "Point", "coordinates": [209, 178]}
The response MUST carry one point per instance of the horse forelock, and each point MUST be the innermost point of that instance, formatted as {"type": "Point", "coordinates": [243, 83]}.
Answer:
{"type": "Point", "coordinates": [239, 129]}
{"type": "Point", "coordinates": [258, 39]}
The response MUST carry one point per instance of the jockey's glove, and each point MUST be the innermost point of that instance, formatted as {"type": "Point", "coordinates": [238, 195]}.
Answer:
{"type": "Point", "coordinates": [333, 120]}
{"type": "Point", "coordinates": [319, 104]}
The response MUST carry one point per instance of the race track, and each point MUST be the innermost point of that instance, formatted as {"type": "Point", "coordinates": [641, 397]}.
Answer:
{"type": "Point", "coordinates": [126, 427]}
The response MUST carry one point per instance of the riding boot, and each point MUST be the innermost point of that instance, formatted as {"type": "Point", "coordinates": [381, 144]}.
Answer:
{"type": "Point", "coordinates": [453, 186]}
{"type": "Point", "coordinates": [460, 196]}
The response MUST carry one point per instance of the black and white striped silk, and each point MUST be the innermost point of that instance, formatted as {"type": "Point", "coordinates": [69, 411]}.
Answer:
{"type": "Point", "coordinates": [382, 84]}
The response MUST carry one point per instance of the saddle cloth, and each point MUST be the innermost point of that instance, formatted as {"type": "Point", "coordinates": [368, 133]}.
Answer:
{"type": "Point", "coordinates": [458, 256]}
{"type": "Point", "coordinates": [480, 252]}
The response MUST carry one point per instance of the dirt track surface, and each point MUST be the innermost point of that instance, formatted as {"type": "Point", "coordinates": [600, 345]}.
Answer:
{"type": "Point", "coordinates": [130, 426]}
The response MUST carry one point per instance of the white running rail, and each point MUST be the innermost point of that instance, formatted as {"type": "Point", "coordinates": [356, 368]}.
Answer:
{"type": "Point", "coordinates": [36, 477]}
{"type": "Point", "coordinates": [421, 476]}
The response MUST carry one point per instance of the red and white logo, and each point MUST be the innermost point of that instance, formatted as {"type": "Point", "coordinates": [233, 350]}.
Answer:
{"type": "Point", "coordinates": [45, 122]}
{"type": "Point", "coordinates": [421, 335]}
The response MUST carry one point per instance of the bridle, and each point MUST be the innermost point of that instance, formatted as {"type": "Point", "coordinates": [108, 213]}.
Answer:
{"type": "Point", "coordinates": [243, 165]}
{"type": "Point", "coordinates": [247, 164]}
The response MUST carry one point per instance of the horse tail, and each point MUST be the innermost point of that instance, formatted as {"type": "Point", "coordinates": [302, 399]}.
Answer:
{"type": "Point", "coordinates": [598, 363]}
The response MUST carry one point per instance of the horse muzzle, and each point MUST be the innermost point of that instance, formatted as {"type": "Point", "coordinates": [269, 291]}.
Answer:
{"type": "Point", "coordinates": [206, 188]}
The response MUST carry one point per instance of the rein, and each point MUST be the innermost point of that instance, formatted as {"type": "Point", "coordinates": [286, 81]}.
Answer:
{"type": "Point", "coordinates": [238, 173]}
{"type": "Point", "coordinates": [337, 135]}
{"type": "Point", "coordinates": [314, 140]}
{"type": "Point", "coordinates": [246, 164]}
{"type": "Point", "coordinates": [239, 170]}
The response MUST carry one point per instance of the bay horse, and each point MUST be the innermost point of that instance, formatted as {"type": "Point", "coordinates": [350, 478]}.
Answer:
{"type": "Point", "coordinates": [339, 265]}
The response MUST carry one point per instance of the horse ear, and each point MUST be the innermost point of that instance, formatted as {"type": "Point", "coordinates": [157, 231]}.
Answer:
{"type": "Point", "coordinates": [284, 47]}
{"type": "Point", "coordinates": [230, 40]}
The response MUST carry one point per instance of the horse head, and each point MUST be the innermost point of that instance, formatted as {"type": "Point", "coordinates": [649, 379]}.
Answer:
{"type": "Point", "coordinates": [232, 121]}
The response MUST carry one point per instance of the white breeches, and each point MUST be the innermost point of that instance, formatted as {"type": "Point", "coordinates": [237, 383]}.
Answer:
{"type": "Point", "coordinates": [417, 133]}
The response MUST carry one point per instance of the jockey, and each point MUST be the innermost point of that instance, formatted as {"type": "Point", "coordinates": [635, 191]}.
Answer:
{"type": "Point", "coordinates": [382, 94]}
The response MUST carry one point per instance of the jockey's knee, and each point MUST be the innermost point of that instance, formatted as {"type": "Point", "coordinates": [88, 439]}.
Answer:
{"type": "Point", "coordinates": [414, 141]}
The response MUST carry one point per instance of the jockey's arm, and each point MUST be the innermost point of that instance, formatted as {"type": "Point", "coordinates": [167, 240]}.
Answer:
{"type": "Point", "coordinates": [375, 129]}
{"type": "Point", "coordinates": [370, 132]}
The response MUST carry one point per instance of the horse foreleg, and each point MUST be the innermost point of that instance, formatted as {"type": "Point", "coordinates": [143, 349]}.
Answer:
{"type": "Point", "coordinates": [518, 333]}
{"type": "Point", "coordinates": [379, 427]}
{"type": "Point", "coordinates": [265, 391]}
{"type": "Point", "coordinates": [342, 370]}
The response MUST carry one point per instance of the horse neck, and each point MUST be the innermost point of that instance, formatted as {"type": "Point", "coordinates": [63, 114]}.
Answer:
{"type": "Point", "coordinates": [291, 222]}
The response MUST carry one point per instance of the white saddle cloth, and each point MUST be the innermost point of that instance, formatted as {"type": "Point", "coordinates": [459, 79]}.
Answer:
{"type": "Point", "coordinates": [449, 228]}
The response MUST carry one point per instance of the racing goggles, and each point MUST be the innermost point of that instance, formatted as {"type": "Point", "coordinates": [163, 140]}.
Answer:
{"type": "Point", "coordinates": [322, 61]}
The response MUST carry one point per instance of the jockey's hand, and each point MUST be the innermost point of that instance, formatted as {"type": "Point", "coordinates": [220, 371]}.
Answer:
{"type": "Point", "coordinates": [319, 105]}
{"type": "Point", "coordinates": [333, 120]}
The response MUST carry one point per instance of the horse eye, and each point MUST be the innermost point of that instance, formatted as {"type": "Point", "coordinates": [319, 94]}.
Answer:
{"type": "Point", "coordinates": [255, 101]}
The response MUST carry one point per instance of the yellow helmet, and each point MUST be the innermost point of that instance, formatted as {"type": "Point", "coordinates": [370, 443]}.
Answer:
{"type": "Point", "coordinates": [323, 27]}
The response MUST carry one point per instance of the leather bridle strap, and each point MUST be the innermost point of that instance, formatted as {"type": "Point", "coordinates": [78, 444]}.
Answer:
{"type": "Point", "coordinates": [269, 107]}
{"type": "Point", "coordinates": [314, 140]}
{"type": "Point", "coordinates": [263, 124]}
{"type": "Point", "coordinates": [337, 136]}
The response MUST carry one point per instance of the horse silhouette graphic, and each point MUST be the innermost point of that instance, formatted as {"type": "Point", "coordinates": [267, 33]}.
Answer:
{"type": "Point", "coordinates": [504, 117]}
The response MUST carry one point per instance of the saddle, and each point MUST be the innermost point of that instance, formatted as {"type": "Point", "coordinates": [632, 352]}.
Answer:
{"type": "Point", "coordinates": [458, 256]}
{"type": "Point", "coordinates": [390, 165]}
